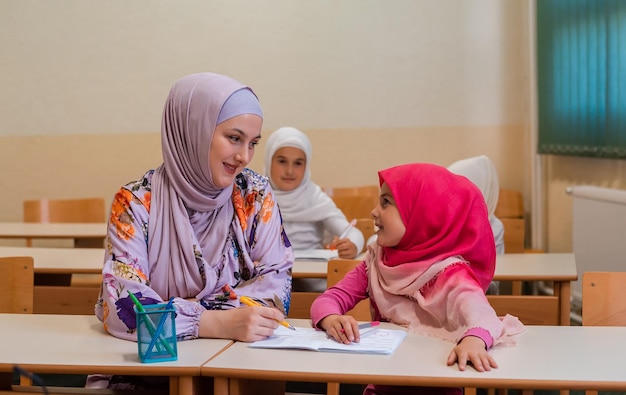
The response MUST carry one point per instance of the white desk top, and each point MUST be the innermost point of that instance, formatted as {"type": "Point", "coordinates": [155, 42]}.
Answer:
{"type": "Point", "coordinates": [545, 267]}
{"type": "Point", "coordinates": [21, 230]}
{"type": "Point", "coordinates": [545, 357]}
{"type": "Point", "coordinates": [523, 266]}
{"type": "Point", "coordinates": [60, 260]}
{"type": "Point", "coordinates": [77, 344]}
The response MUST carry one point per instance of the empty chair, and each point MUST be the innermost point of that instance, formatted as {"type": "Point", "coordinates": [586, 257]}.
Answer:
{"type": "Point", "coordinates": [364, 190]}
{"type": "Point", "coordinates": [355, 202]}
{"type": "Point", "coordinates": [16, 284]}
{"type": "Point", "coordinates": [85, 210]}
{"type": "Point", "coordinates": [604, 300]}
{"type": "Point", "coordinates": [79, 210]}
{"type": "Point", "coordinates": [510, 210]}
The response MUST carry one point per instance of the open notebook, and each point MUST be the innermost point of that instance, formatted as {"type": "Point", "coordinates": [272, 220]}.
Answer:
{"type": "Point", "coordinates": [374, 340]}
{"type": "Point", "coordinates": [317, 254]}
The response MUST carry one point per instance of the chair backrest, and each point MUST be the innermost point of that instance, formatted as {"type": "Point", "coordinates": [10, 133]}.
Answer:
{"type": "Point", "coordinates": [365, 190]}
{"type": "Point", "coordinates": [85, 210]}
{"type": "Point", "coordinates": [510, 204]}
{"type": "Point", "coordinates": [337, 269]}
{"type": "Point", "coordinates": [355, 206]}
{"type": "Point", "coordinates": [510, 210]}
{"type": "Point", "coordinates": [514, 235]}
{"type": "Point", "coordinates": [604, 298]}
{"type": "Point", "coordinates": [366, 226]}
{"type": "Point", "coordinates": [355, 202]}
{"type": "Point", "coordinates": [16, 284]}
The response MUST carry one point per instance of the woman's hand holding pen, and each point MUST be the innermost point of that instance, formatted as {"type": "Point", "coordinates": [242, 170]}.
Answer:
{"type": "Point", "coordinates": [246, 324]}
{"type": "Point", "coordinates": [342, 328]}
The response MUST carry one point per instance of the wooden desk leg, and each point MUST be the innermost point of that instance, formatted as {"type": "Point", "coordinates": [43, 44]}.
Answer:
{"type": "Point", "coordinates": [6, 380]}
{"type": "Point", "coordinates": [220, 385]}
{"type": "Point", "coordinates": [174, 385]}
{"type": "Point", "coordinates": [332, 388]}
{"type": "Point", "coordinates": [562, 290]}
{"type": "Point", "coordinates": [566, 293]}
{"type": "Point", "coordinates": [185, 385]}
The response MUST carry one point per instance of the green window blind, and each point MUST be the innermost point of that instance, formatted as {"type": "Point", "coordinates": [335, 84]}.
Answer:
{"type": "Point", "coordinates": [581, 73]}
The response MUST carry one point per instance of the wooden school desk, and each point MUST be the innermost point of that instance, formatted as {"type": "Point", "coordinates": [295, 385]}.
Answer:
{"type": "Point", "coordinates": [61, 344]}
{"type": "Point", "coordinates": [87, 234]}
{"type": "Point", "coordinates": [560, 268]}
{"type": "Point", "coordinates": [545, 357]}
{"type": "Point", "coordinates": [54, 268]}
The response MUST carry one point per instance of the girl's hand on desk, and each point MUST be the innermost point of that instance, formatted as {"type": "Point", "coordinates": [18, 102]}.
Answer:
{"type": "Point", "coordinates": [471, 349]}
{"type": "Point", "coordinates": [346, 249]}
{"type": "Point", "coordinates": [246, 324]}
{"type": "Point", "coordinates": [342, 328]}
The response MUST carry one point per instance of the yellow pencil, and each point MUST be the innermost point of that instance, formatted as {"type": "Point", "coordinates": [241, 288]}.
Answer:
{"type": "Point", "coordinates": [251, 302]}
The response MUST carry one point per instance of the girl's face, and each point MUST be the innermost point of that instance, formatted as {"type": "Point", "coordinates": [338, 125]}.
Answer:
{"type": "Point", "coordinates": [232, 147]}
{"type": "Point", "coordinates": [288, 167]}
{"type": "Point", "coordinates": [387, 218]}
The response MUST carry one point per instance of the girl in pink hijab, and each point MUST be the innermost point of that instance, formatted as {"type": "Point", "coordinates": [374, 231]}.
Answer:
{"type": "Point", "coordinates": [433, 260]}
{"type": "Point", "coordinates": [201, 228]}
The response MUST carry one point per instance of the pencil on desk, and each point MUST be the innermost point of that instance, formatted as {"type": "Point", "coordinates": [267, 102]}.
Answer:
{"type": "Point", "coordinates": [369, 324]}
{"type": "Point", "coordinates": [365, 325]}
{"type": "Point", "coordinates": [251, 302]}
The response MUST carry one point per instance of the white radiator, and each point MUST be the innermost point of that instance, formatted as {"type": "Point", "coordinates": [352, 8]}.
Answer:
{"type": "Point", "coordinates": [599, 232]}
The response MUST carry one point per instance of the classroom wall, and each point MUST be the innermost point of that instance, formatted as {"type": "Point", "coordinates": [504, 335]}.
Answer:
{"type": "Point", "coordinates": [373, 83]}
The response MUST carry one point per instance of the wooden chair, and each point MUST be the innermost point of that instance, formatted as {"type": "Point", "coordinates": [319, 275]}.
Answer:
{"type": "Point", "coordinates": [355, 202]}
{"type": "Point", "coordinates": [604, 298]}
{"type": "Point", "coordinates": [510, 210]}
{"type": "Point", "coordinates": [85, 210]}
{"type": "Point", "coordinates": [17, 279]}
{"type": "Point", "coordinates": [365, 190]}
{"type": "Point", "coordinates": [82, 210]}
{"type": "Point", "coordinates": [366, 226]}
{"type": "Point", "coordinates": [337, 269]}
{"type": "Point", "coordinates": [604, 301]}
{"type": "Point", "coordinates": [16, 284]}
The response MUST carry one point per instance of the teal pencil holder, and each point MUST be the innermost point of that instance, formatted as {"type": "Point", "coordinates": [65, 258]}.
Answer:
{"type": "Point", "coordinates": [156, 333]}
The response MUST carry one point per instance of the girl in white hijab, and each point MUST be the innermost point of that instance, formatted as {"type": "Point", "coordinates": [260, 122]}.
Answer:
{"type": "Point", "coordinates": [481, 171]}
{"type": "Point", "coordinates": [308, 213]}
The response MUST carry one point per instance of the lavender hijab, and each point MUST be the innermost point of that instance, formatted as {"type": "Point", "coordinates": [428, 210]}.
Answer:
{"type": "Point", "coordinates": [184, 198]}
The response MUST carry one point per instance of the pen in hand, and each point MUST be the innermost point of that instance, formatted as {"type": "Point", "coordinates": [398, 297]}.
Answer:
{"type": "Point", "coordinates": [251, 302]}
{"type": "Point", "coordinates": [343, 235]}
{"type": "Point", "coordinates": [348, 229]}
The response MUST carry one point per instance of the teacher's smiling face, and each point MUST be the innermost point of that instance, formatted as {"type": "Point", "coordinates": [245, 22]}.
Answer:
{"type": "Point", "coordinates": [232, 147]}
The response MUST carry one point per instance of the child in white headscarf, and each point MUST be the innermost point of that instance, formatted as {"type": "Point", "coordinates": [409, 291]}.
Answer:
{"type": "Point", "coordinates": [482, 173]}
{"type": "Point", "coordinates": [309, 215]}
{"type": "Point", "coordinates": [306, 210]}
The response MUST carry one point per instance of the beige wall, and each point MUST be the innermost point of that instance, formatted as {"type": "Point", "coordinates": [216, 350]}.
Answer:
{"type": "Point", "coordinates": [373, 83]}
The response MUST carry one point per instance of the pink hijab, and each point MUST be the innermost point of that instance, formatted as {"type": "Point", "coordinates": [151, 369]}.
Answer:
{"type": "Point", "coordinates": [444, 214]}
{"type": "Point", "coordinates": [184, 198]}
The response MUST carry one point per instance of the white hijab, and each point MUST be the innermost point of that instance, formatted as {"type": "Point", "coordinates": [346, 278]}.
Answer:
{"type": "Point", "coordinates": [481, 171]}
{"type": "Point", "coordinates": [306, 203]}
